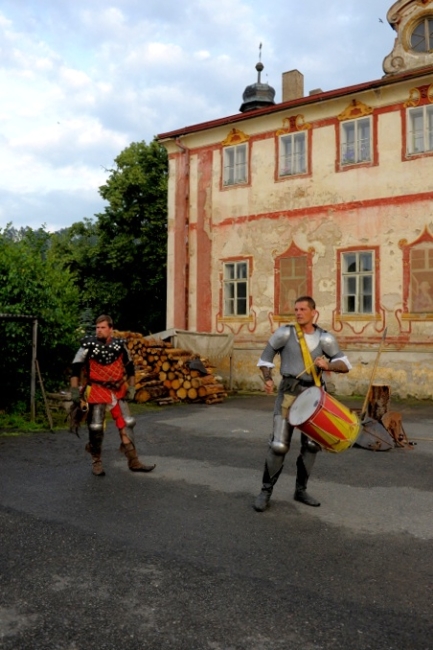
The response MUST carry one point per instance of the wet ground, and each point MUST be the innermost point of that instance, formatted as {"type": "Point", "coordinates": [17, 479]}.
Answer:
{"type": "Point", "coordinates": [178, 559]}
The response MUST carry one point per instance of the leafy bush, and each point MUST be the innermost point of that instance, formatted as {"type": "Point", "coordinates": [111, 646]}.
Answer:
{"type": "Point", "coordinates": [32, 283]}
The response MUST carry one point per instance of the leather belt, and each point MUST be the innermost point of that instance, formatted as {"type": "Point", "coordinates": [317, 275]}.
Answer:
{"type": "Point", "coordinates": [107, 384]}
{"type": "Point", "coordinates": [302, 382]}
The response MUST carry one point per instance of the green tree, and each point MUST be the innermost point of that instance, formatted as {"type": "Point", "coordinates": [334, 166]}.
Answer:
{"type": "Point", "coordinates": [32, 283]}
{"type": "Point", "coordinates": [132, 235]}
{"type": "Point", "coordinates": [119, 260]}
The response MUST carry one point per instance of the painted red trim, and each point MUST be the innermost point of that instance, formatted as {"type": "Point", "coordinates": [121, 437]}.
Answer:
{"type": "Point", "coordinates": [204, 243]}
{"type": "Point", "coordinates": [180, 288]}
{"type": "Point", "coordinates": [335, 207]}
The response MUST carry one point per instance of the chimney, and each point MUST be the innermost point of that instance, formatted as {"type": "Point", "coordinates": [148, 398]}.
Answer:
{"type": "Point", "coordinates": [293, 85]}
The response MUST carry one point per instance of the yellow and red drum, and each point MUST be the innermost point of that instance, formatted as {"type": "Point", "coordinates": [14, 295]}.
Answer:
{"type": "Point", "coordinates": [324, 419]}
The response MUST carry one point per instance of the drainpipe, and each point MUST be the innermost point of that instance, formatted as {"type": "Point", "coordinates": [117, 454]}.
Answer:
{"type": "Point", "coordinates": [186, 152]}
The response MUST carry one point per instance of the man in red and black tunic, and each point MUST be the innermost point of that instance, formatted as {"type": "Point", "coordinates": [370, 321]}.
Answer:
{"type": "Point", "coordinates": [110, 382]}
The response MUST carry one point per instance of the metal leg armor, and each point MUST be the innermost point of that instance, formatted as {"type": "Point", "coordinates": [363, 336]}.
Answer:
{"type": "Point", "coordinates": [125, 423]}
{"type": "Point", "coordinates": [304, 464]}
{"type": "Point", "coordinates": [279, 445]}
{"type": "Point", "coordinates": [130, 421]}
{"type": "Point", "coordinates": [95, 421]}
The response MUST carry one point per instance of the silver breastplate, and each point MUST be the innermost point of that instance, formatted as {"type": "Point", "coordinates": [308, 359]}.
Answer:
{"type": "Point", "coordinates": [292, 361]}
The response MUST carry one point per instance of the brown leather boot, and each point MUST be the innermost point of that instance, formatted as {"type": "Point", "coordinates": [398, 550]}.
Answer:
{"type": "Point", "coordinates": [133, 461]}
{"type": "Point", "coordinates": [97, 468]}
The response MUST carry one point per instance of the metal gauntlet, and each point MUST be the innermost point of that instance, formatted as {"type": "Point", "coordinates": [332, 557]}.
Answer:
{"type": "Point", "coordinates": [267, 373]}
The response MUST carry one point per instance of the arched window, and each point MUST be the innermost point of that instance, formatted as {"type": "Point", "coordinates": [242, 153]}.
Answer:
{"type": "Point", "coordinates": [421, 39]}
{"type": "Point", "coordinates": [293, 277]}
{"type": "Point", "coordinates": [418, 277]}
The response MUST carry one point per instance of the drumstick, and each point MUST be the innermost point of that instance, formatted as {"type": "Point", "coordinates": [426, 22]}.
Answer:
{"type": "Point", "coordinates": [309, 367]}
{"type": "Point", "coordinates": [264, 381]}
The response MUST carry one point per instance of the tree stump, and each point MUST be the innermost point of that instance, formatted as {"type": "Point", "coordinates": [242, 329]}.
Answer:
{"type": "Point", "coordinates": [378, 401]}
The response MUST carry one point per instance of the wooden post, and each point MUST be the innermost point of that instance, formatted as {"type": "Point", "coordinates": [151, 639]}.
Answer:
{"type": "Point", "coordinates": [33, 371]}
{"type": "Point", "coordinates": [47, 408]}
{"type": "Point", "coordinates": [378, 401]}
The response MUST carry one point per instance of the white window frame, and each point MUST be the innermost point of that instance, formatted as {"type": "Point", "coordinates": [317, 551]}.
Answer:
{"type": "Point", "coordinates": [358, 283]}
{"type": "Point", "coordinates": [419, 130]}
{"type": "Point", "coordinates": [236, 288]}
{"type": "Point", "coordinates": [292, 154]}
{"type": "Point", "coordinates": [355, 146]}
{"type": "Point", "coordinates": [235, 164]}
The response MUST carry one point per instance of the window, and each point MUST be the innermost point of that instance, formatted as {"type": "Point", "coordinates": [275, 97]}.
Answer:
{"type": "Point", "coordinates": [422, 36]}
{"type": "Point", "coordinates": [356, 141]}
{"type": "Point", "coordinates": [236, 289]}
{"type": "Point", "coordinates": [235, 165]}
{"type": "Point", "coordinates": [421, 279]}
{"type": "Point", "coordinates": [418, 278]}
{"type": "Point", "coordinates": [293, 277]}
{"type": "Point", "coordinates": [420, 130]}
{"type": "Point", "coordinates": [293, 150]}
{"type": "Point", "coordinates": [357, 282]}
{"type": "Point", "coordinates": [293, 282]}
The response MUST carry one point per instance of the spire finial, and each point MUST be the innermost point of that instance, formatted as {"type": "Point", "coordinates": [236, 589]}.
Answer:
{"type": "Point", "coordinates": [259, 66]}
{"type": "Point", "coordinates": [257, 95]}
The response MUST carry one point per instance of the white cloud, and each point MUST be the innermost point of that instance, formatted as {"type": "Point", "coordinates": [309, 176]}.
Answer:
{"type": "Point", "coordinates": [74, 78]}
{"type": "Point", "coordinates": [81, 80]}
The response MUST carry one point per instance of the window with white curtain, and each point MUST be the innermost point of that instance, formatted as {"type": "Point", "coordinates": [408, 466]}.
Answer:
{"type": "Point", "coordinates": [235, 165]}
{"type": "Point", "coordinates": [356, 141]}
{"type": "Point", "coordinates": [292, 154]}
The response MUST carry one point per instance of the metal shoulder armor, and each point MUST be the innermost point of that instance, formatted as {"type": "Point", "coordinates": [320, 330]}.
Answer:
{"type": "Point", "coordinates": [329, 345]}
{"type": "Point", "coordinates": [280, 337]}
{"type": "Point", "coordinates": [81, 355]}
{"type": "Point", "coordinates": [87, 343]}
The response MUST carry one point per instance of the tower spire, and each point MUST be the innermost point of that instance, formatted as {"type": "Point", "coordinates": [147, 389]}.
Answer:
{"type": "Point", "coordinates": [259, 94]}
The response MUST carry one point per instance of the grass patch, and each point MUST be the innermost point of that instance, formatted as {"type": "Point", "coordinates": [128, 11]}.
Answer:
{"type": "Point", "coordinates": [14, 424]}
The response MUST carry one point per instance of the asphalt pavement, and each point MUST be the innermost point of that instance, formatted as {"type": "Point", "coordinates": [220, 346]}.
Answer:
{"type": "Point", "coordinates": [178, 559]}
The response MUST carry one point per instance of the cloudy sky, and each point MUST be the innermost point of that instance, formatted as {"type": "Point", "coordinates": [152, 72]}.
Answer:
{"type": "Point", "coordinates": [82, 79]}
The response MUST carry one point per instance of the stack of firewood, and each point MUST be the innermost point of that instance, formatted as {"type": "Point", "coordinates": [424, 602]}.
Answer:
{"type": "Point", "coordinates": [164, 374]}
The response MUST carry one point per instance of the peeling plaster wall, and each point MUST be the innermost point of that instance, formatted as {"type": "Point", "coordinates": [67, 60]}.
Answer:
{"type": "Point", "coordinates": [329, 210]}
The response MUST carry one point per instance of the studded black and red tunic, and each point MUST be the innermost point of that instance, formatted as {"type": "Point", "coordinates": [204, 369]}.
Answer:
{"type": "Point", "coordinates": [107, 365]}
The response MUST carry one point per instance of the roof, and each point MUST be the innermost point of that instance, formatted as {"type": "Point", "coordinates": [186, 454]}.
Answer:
{"type": "Point", "coordinates": [301, 101]}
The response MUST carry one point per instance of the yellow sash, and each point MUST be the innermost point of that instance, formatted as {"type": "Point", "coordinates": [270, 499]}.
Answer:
{"type": "Point", "coordinates": [310, 368]}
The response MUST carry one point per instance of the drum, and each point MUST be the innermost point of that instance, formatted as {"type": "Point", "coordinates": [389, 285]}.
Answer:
{"type": "Point", "coordinates": [324, 419]}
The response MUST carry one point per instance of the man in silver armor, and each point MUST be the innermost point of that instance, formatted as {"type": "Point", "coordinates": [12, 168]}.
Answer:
{"type": "Point", "coordinates": [326, 356]}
